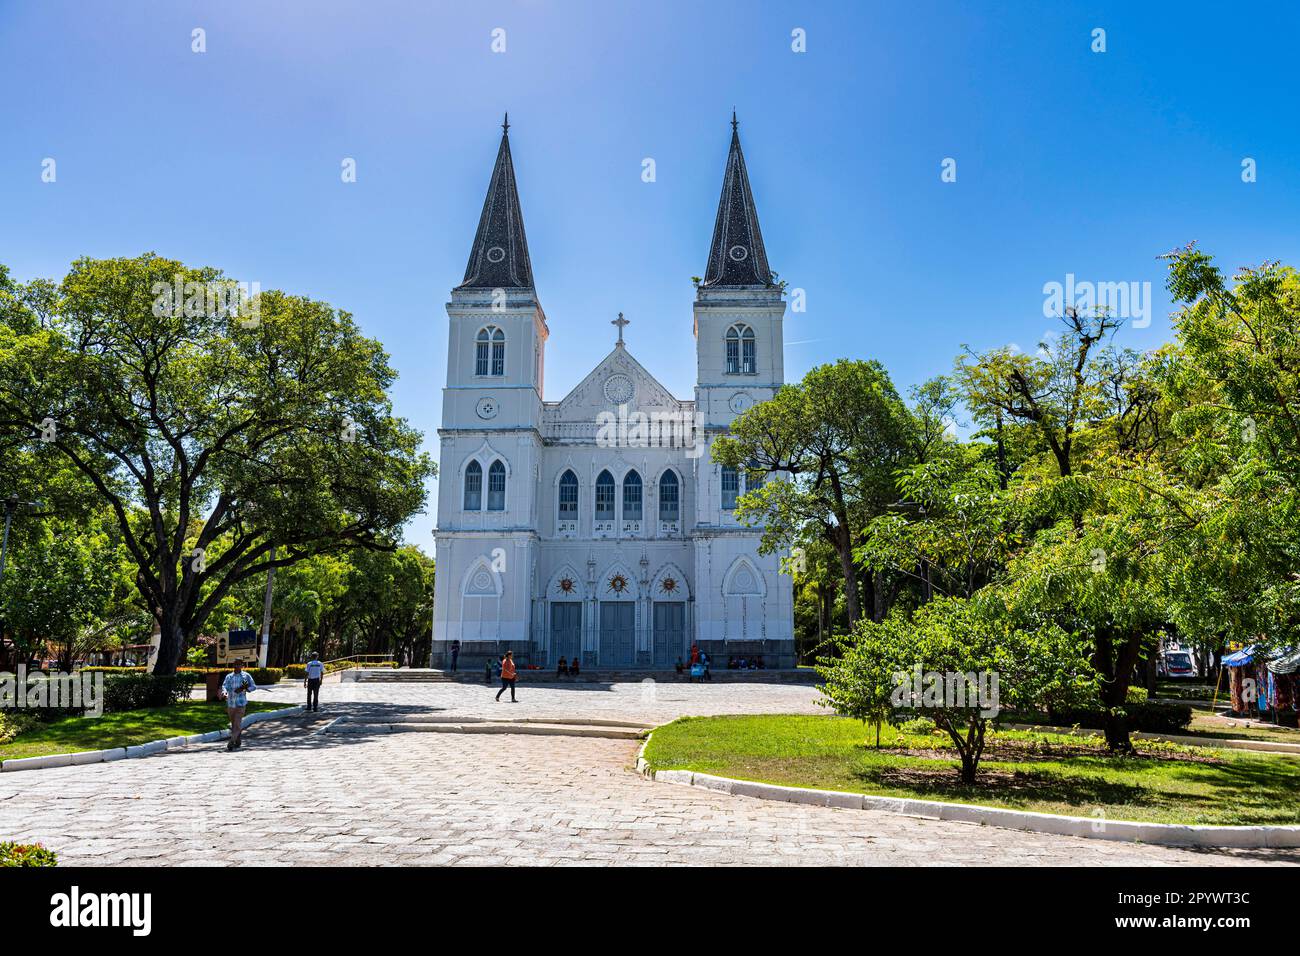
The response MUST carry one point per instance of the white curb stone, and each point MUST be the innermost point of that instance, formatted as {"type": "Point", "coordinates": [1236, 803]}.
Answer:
{"type": "Point", "coordinates": [82, 758]}
{"type": "Point", "coordinates": [1168, 834]}
{"type": "Point", "coordinates": [145, 750]}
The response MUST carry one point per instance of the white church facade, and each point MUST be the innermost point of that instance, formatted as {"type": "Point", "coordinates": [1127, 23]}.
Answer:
{"type": "Point", "coordinates": [598, 526]}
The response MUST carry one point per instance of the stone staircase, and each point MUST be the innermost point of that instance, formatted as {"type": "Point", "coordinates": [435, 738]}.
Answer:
{"type": "Point", "coordinates": [395, 675]}
{"type": "Point", "coordinates": [424, 675]}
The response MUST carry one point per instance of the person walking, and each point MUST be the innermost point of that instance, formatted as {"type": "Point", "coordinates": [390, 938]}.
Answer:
{"type": "Point", "coordinates": [455, 653]}
{"type": "Point", "coordinates": [234, 691]}
{"type": "Point", "coordinates": [315, 674]}
{"type": "Point", "coordinates": [508, 676]}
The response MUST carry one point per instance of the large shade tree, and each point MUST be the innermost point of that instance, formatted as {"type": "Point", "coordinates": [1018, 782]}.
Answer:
{"type": "Point", "coordinates": [225, 441]}
{"type": "Point", "coordinates": [836, 439]}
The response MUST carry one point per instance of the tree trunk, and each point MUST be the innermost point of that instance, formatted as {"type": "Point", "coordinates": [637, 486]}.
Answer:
{"type": "Point", "coordinates": [171, 644]}
{"type": "Point", "coordinates": [1117, 673]}
{"type": "Point", "coordinates": [851, 601]}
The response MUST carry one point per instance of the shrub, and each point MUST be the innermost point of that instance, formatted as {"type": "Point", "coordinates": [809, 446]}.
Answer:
{"type": "Point", "coordinates": [26, 854]}
{"type": "Point", "coordinates": [13, 723]}
{"type": "Point", "coordinates": [918, 725]}
{"type": "Point", "coordinates": [295, 671]}
{"type": "Point", "coordinates": [265, 675]}
{"type": "Point", "coordinates": [134, 691]}
{"type": "Point", "coordinates": [1150, 717]}
{"type": "Point", "coordinates": [1136, 695]}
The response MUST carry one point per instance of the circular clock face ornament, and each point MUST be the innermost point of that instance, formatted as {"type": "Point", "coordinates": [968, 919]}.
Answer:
{"type": "Point", "coordinates": [738, 253]}
{"type": "Point", "coordinates": [496, 254]}
{"type": "Point", "coordinates": [487, 407]}
{"type": "Point", "coordinates": [740, 402]}
{"type": "Point", "coordinates": [619, 389]}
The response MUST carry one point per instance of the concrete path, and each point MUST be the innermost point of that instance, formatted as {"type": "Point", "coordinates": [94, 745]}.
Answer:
{"type": "Point", "coordinates": [294, 796]}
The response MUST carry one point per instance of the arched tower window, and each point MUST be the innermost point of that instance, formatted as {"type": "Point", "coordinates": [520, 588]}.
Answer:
{"type": "Point", "coordinates": [740, 350]}
{"type": "Point", "coordinates": [669, 497]}
{"type": "Point", "coordinates": [473, 486]}
{"type": "Point", "coordinates": [605, 497]}
{"type": "Point", "coordinates": [490, 351]}
{"type": "Point", "coordinates": [569, 496]}
{"type": "Point", "coordinates": [496, 497]}
{"type": "Point", "coordinates": [632, 497]}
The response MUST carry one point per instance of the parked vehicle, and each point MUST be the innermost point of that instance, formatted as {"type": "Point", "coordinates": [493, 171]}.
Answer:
{"type": "Point", "coordinates": [1175, 664]}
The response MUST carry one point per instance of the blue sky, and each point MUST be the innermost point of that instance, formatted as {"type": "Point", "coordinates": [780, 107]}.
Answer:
{"type": "Point", "coordinates": [1068, 161]}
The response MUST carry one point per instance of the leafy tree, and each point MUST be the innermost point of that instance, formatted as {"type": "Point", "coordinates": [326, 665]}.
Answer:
{"type": "Point", "coordinates": [392, 594]}
{"type": "Point", "coordinates": [837, 437]}
{"type": "Point", "coordinates": [942, 662]}
{"type": "Point", "coordinates": [216, 439]}
{"type": "Point", "coordinates": [68, 591]}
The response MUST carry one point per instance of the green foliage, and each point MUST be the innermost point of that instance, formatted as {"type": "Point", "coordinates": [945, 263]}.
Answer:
{"type": "Point", "coordinates": [874, 679]}
{"type": "Point", "coordinates": [134, 691]}
{"type": "Point", "coordinates": [1148, 716]}
{"type": "Point", "coordinates": [832, 442]}
{"type": "Point", "coordinates": [920, 726]}
{"type": "Point", "coordinates": [26, 854]}
{"type": "Point", "coordinates": [15, 722]}
{"type": "Point", "coordinates": [210, 439]}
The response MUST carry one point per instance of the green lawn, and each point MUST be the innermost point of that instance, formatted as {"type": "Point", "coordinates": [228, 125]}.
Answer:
{"type": "Point", "coordinates": [1022, 771]}
{"type": "Point", "coordinates": [125, 729]}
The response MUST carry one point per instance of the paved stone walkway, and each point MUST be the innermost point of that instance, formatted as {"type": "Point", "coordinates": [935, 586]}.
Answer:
{"type": "Point", "coordinates": [295, 797]}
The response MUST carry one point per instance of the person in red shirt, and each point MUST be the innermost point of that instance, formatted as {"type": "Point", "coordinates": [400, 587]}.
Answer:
{"type": "Point", "coordinates": [508, 675]}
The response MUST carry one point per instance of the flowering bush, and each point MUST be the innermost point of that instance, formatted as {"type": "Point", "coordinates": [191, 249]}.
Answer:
{"type": "Point", "coordinates": [26, 854]}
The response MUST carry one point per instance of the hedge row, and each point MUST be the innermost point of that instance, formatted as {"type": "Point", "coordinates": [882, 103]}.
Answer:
{"type": "Point", "coordinates": [260, 675]}
{"type": "Point", "coordinates": [1149, 717]}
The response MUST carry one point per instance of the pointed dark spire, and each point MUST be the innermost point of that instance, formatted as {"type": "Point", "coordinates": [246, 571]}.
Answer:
{"type": "Point", "coordinates": [499, 257]}
{"type": "Point", "coordinates": [737, 258]}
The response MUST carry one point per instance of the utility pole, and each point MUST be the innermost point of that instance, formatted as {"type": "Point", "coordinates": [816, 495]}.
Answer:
{"type": "Point", "coordinates": [265, 647]}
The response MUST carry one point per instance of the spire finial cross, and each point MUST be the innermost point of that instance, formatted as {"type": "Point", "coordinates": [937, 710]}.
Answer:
{"type": "Point", "coordinates": [620, 322]}
{"type": "Point", "coordinates": [734, 121]}
{"type": "Point", "coordinates": [505, 124]}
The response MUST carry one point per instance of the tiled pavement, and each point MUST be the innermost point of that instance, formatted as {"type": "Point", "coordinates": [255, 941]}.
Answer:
{"type": "Point", "coordinates": [295, 797]}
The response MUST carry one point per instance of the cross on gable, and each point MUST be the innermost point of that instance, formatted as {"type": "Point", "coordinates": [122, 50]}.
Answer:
{"type": "Point", "coordinates": [620, 322]}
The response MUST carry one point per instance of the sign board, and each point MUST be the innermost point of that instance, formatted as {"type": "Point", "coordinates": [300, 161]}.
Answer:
{"type": "Point", "coordinates": [237, 646]}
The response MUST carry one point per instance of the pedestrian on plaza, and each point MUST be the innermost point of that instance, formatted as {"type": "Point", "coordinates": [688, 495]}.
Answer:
{"type": "Point", "coordinates": [234, 691]}
{"type": "Point", "coordinates": [315, 674]}
{"type": "Point", "coordinates": [508, 676]}
{"type": "Point", "coordinates": [487, 672]}
{"type": "Point", "coordinates": [455, 653]}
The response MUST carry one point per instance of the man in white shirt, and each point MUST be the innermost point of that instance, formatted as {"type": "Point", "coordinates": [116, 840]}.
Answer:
{"type": "Point", "coordinates": [315, 674]}
{"type": "Point", "coordinates": [234, 691]}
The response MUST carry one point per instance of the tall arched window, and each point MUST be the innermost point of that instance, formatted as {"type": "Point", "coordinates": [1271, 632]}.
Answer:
{"type": "Point", "coordinates": [740, 350]}
{"type": "Point", "coordinates": [490, 351]}
{"type": "Point", "coordinates": [730, 488]}
{"type": "Point", "coordinates": [568, 496]}
{"type": "Point", "coordinates": [497, 487]}
{"type": "Point", "coordinates": [632, 497]}
{"type": "Point", "coordinates": [605, 497]}
{"type": "Point", "coordinates": [669, 499]}
{"type": "Point", "coordinates": [473, 486]}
